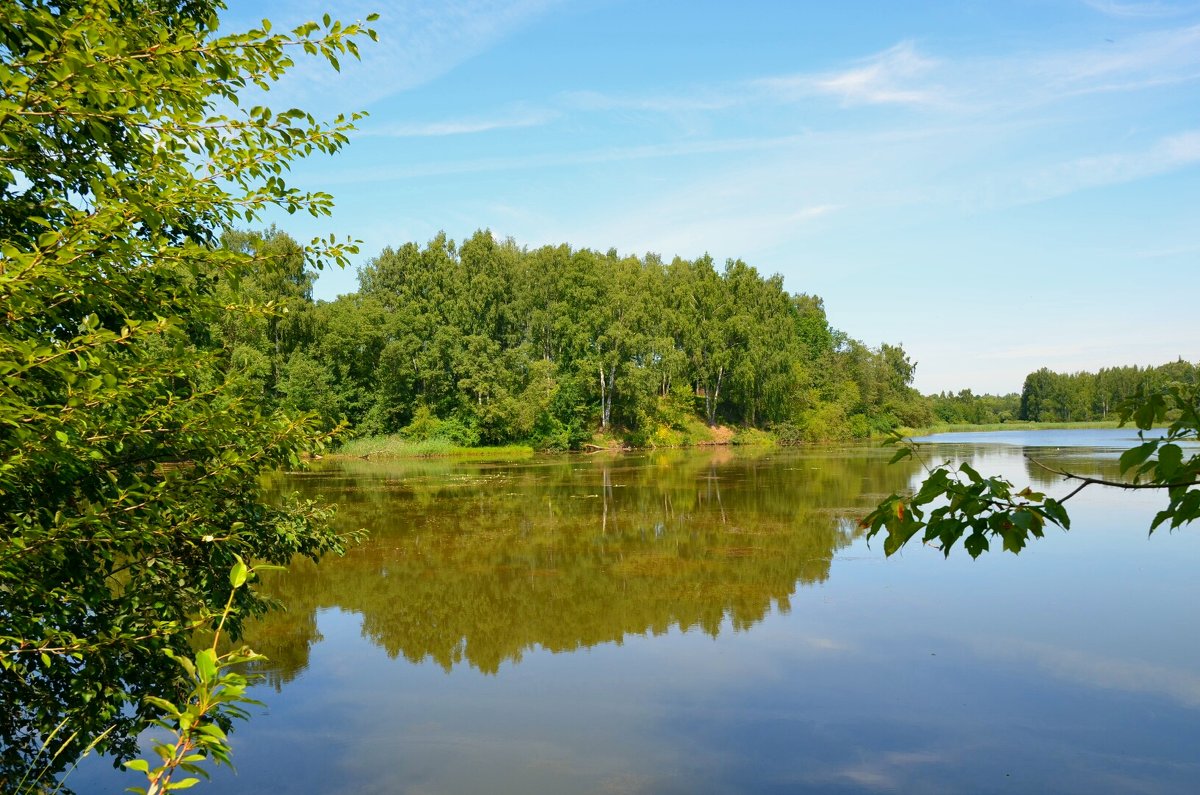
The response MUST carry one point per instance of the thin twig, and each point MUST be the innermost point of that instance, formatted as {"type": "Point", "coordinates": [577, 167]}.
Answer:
{"type": "Point", "coordinates": [1116, 484]}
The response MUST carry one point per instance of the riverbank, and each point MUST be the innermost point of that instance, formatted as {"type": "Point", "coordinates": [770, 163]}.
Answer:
{"type": "Point", "coordinates": [1008, 426]}
{"type": "Point", "coordinates": [380, 447]}
{"type": "Point", "coordinates": [694, 435]}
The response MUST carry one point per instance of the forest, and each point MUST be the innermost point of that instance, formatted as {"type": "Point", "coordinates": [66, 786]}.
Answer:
{"type": "Point", "coordinates": [487, 342]}
{"type": "Point", "coordinates": [1083, 397]}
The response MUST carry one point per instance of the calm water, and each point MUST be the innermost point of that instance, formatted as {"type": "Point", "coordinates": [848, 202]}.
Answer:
{"type": "Point", "coordinates": [711, 622]}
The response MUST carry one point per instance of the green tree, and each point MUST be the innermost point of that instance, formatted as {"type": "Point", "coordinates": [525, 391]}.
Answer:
{"type": "Point", "coordinates": [129, 452]}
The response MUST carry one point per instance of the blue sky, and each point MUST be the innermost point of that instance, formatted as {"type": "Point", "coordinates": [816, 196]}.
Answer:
{"type": "Point", "coordinates": [999, 186]}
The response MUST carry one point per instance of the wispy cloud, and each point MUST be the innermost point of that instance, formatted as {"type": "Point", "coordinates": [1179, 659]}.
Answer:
{"type": "Point", "coordinates": [463, 126]}
{"type": "Point", "coordinates": [1167, 154]}
{"type": "Point", "coordinates": [1146, 60]}
{"type": "Point", "coordinates": [815, 211]}
{"type": "Point", "coordinates": [704, 99]}
{"type": "Point", "coordinates": [892, 77]}
{"type": "Point", "coordinates": [904, 76]}
{"type": "Point", "coordinates": [562, 159]}
{"type": "Point", "coordinates": [418, 42]}
{"type": "Point", "coordinates": [1113, 8]}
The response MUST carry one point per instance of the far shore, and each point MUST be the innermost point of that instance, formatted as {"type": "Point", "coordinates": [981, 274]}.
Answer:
{"type": "Point", "coordinates": [398, 447]}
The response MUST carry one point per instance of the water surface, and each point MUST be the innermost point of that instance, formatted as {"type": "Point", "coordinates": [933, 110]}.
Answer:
{"type": "Point", "coordinates": [713, 622]}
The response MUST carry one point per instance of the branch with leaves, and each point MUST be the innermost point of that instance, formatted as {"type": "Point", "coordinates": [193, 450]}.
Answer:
{"type": "Point", "coordinates": [956, 503]}
{"type": "Point", "coordinates": [218, 694]}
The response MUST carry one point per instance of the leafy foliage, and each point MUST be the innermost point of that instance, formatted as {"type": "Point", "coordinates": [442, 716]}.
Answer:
{"type": "Point", "coordinates": [130, 446]}
{"type": "Point", "coordinates": [218, 695]}
{"type": "Point", "coordinates": [486, 342]}
{"type": "Point", "coordinates": [955, 502]}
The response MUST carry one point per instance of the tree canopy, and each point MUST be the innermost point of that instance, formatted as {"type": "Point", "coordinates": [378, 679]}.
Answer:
{"type": "Point", "coordinates": [487, 342]}
{"type": "Point", "coordinates": [131, 444]}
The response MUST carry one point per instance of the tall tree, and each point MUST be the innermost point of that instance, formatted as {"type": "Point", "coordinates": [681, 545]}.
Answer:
{"type": "Point", "coordinates": [129, 455]}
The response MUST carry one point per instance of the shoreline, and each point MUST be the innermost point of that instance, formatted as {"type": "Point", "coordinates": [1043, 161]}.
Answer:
{"type": "Point", "coordinates": [397, 448]}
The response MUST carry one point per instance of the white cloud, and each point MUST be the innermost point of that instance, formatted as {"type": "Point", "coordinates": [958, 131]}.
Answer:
{"type": "Point", "coordinates": [1167, 154]}
{"type": "Point", "coordinates": [561, 159]}
{"type": "Point", "coordinates": [418, 42]}
{"type": "Point", "coordinates": [463, 126]}
{"type": "Point", "coordinates": [1142, 61]}
{"type": "Point", "coordinates": [1113, 8]}
{"type": "Point", "coordinates": [705, 99]}
{"type": "Point", "coordinates": [892, 77]}
{"type": "Point", "coordinates": [1181, 685]}
{"type": "Point", "coordinates": [814, 211]}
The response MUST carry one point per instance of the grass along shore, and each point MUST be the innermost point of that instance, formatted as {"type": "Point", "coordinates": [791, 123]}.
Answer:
{"type": "Point", "coordinates": [396, 446]}
{"type": "Point", "coordinates": [1016, 425]}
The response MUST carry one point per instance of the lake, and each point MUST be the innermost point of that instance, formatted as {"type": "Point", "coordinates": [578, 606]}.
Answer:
{"type": "Point", "coordinates": [712, 621]}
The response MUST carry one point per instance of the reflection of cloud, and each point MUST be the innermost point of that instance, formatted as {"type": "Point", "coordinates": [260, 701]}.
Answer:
{"type": "Point", "coordinates": [1088, 668]}
{"type": "Point", "coordinates": [887, 772]}
{"type": "Point", "coordinates": [825, 644]}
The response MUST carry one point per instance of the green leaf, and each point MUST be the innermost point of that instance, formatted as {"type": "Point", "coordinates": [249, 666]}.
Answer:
{"type": "Point", "coordinates": [186, 783]}
{"type": "Point", "coordinates": [1136, 455]}
{"type": "Point", "coordinates": [140, 765]}
{"type": "Point", "coordinates": [1057, 513]}
{"type": "Point", "coordinates": [1161, 517]}
{"type": "Point", "coordinates": [975, 544]}
{"type": "Point", "coordinates": [1170, 457]}
{"type": "Point", "coordinates": [206, 664]}
{"type": "Point", "coordinates": [237, 575]}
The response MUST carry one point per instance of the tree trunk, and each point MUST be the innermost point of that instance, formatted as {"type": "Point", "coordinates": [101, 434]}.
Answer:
{"type": "Point", "coordinates": [710, 403]}
{"type": "Point", "coordinates": [603, 413]}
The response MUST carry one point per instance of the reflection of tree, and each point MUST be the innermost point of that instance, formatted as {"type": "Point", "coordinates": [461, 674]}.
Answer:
{"type": "Point", "coordinates": [1040, 464]}
{"type": "Point", "coordinates": [1036, 464]}
{"type": "Point", "coordinates": [478, 563]}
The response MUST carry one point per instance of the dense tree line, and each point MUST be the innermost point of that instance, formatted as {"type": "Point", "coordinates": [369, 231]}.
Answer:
{"type": "Point", "coordinates": [1047, 396]}
{"type": "Point", "coordinates": [967, 408]}
{"type": "Point", "coordinates": [488, 342]}
{"type": "Point", "coordinates": [1074, 397]}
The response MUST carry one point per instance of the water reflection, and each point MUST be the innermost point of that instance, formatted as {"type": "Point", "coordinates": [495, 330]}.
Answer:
{"type": "Point", "coordinates": [1071, 668]}
{"type": "Point", "coordinates": [1041, 466]}
{"type": "Point", "coordinates": [477, 564]}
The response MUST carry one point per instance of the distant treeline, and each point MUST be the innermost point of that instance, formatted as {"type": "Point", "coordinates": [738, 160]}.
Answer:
{"type": "Point", "coordinates": [487, 343]}
{"type": "Point", "coordinates": [1075, 397]}
{"type": "Point", "coordinates": [1060, 397]}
